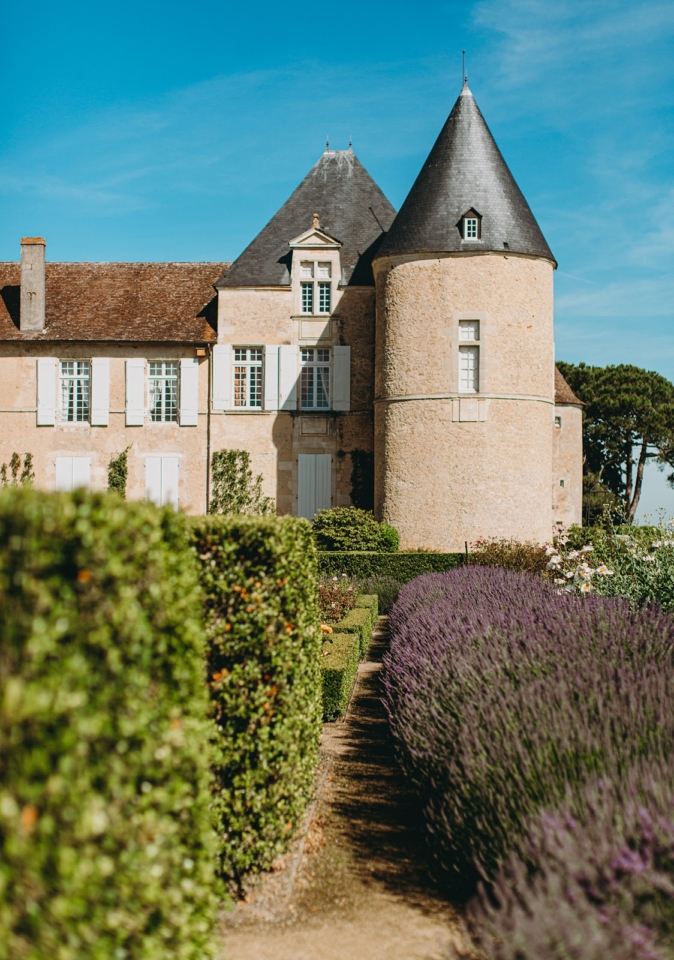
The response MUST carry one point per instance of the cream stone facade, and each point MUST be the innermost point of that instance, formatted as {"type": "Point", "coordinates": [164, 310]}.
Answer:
{"type": "Point", "coordinates": [402, 363]}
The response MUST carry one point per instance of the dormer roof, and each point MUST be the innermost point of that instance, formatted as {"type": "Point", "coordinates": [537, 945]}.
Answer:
{"type": "Point", "coordinates": [351, 208]}
{"type": "Point", "coordinates": [465, 170]}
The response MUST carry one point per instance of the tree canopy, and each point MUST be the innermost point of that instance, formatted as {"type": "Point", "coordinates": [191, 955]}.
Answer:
{"type": "Point", "coordinates": [628, 420]}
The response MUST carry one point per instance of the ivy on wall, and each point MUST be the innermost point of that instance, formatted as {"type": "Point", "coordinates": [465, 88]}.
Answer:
{"type": "Point", "coordinates": [118, 471]}
{"type": "Point", "coordinates": [21, 475]}
{"type": "Point", "coordinates": [234, 489]}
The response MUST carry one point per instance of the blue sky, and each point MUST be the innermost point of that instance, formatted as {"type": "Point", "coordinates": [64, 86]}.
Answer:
{"type": "Point", "coordinates": [147, 131]}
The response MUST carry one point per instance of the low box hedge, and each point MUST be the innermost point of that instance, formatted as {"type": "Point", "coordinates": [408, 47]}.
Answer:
{"type": "Point", "coordinates": [106, 844]}
{"type": "Point", "coordinates": [361, 620]}
{"type": "Point", "coordinates": [402, 567]}
{"type": "Point", "coordinates": [259, 580]}
{"type": "Point", "coordinates": [339, 665]}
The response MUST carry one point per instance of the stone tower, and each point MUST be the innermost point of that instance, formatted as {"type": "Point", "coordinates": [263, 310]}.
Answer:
{"type": "Point", "coordinates": [464, 387]}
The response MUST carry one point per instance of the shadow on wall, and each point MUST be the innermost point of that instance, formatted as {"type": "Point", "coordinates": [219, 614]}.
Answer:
{"type": "Point", "coordinates": [11, 296]}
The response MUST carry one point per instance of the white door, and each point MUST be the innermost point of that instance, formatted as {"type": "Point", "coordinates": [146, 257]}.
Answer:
{"type": "Point", "coordinates": [314, 484]}
{"type": "Point", "coordinates": [72, 472]}
{"type": "Point", "coordinates": [161, 480]}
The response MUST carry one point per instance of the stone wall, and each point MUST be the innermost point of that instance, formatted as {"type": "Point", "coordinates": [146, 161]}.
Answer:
{"type": "Point", "coordinates": [567, 470]}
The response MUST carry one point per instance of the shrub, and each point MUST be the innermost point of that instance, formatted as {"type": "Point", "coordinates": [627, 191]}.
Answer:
{"type": "Point", "coordinates": [509, 554]}
{"type": "Point", "coordinates": [339, 665]}
{"type": "Point", "coordinates": [398, 566]}
{"type": "Point", "coordinates": [259, 580]}
{"type": "Point", "coordinates": [234, 488]}
{"type": "Point", "coordinates": [385, 588]}
{"type": "Point", "coordinates": [348, 528]}
{"type": "Point", "coordinates": [106, 844]}
{"type": "Point", "coordinates": [360, 620]}
{"type": "Point", "coordinates": [594, 879]}
{"type": "Point", "coordinates": [118, 471]}
{"type": "Point", "coordinates": [502, 694]}
{"type": "Point", "coordinates": [336, 595]}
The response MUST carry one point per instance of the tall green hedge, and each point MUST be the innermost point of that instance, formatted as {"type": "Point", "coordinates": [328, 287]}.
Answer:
{"type": "Point", "coordinates": [259, 580]}
{"type": "Point", "coordinates": [106, 848]}
{"type": "Point", "coordinates": [399, 566]}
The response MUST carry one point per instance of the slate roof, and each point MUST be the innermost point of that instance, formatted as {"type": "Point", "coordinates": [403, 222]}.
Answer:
{"type": "Point", "coordinates": [563, 392]}
{"type": "Point", "coordinates": [465, 169]}
{"type": "Point", "coordinates": [148, 302]}
{"type": "Point", "coordinates": [351, 208]}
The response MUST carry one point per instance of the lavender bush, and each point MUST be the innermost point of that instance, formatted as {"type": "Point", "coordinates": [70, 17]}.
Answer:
{"type": "Point", "coordinates": [594, 879]}
{"type": "Point", "coordinates": [503, 695]}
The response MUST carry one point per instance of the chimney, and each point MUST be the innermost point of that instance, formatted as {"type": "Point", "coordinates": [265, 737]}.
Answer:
{"type": "Point", "coordinates": [31, 317]}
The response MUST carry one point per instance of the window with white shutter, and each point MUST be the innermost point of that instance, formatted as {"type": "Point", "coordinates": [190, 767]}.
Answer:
{"type": "Point", "coordinates": [135, 392]}
{"type": "Point", "coordinates": [289, 365]}
{"type": "Point", "coordinates": [222, 376]}
{"type": "Point", "coordinates": [161, 480]}
{"type": "Point", "coordinates": [271, 355]}
{"type": "Point", "coordinates": [189, 392]}
{"type": "Point", "coordinates": [72, 472]}
{"type": "Point", "coordinates": [100, 391]}
{"type": "Point", "coordinates": [46, 391]}
{"type": "Point", "coordinates": [341, 378]}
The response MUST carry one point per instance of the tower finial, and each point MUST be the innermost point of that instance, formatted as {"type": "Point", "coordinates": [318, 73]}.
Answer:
{"type": "Point", "coordinates": [315, 222]}
{"type": "Point", "coordinates": [350, 142]}
{"type": "Point", "coordinates": [327, 144]}
{"type": "Point", "coordinates": [464, 75]}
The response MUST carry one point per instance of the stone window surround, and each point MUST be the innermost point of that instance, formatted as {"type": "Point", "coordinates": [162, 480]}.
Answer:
{"type": "Point", "coordinates": [452, 332]}
{"type": "Point", "coordinates": [316, 254]}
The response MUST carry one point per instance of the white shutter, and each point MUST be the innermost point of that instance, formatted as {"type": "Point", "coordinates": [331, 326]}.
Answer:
{"type": "Point", "coordinates": [153, 479]}
{"type": "Point", "coordinates": [271, 378]}
{"type": "Point", "coordinates": [100, 391]}
{"type": "Point", "coordinates": [222, 376]}
{"type": "Point", "coordinates": [135, 392]}
{"type": "Point", "coordinates": [306, 485]}
{"type": "Point", "coordinates": [289, 367]}
{"type": "Point", "coordinates": [64, 474]}
{"type": "Point", "coordinates": [189, 392]}
{"type": "Point", "coordinates": [323, 495]}
{"type": "Point", "coordinates": [46, 392]}
{"type": "Point", "coordinates": [169, 481]}
{"type": "Point", "coordinates": [341, 378]}
{"type": "Point", "coordinates": [81, 472]}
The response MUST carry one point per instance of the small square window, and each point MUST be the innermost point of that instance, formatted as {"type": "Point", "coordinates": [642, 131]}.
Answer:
{"type": "Point", "coordinates": [561, 483]}
{"type": "Point", "coordinates": [558, 421]}
{"type": "Point", "coordinates": [469, 330]}
{"type": "Point", "coordinates": [324, 270]}
{"type": "Point", "coordinates": [306, 269]}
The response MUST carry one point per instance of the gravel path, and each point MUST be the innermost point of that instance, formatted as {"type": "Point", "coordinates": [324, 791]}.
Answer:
{"type": "Point", "coordinates": [356, 884]}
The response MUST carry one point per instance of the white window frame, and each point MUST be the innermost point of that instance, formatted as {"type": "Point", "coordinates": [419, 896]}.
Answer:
{"type": "Point", "coordinates": [313, 359]}
{"type": "Point", "coordinates": [470, 223]}
{"type": "Point", "coordinates": [316, 278]}
{"type": "Point", "coordinates": [247, 365]}
{"type": "Point", "coordinates": [76, 379]}
{"type": "Point", "coordinates": [165, 378]}
{"type": "Point", "coordinates": [469, 346]}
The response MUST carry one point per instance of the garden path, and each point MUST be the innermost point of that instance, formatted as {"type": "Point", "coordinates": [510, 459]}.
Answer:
{"type": "Point", "coordinates": [356, 885]}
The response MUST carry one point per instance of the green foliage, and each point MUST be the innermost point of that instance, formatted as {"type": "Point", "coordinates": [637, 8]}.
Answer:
{"type": "Point", "coordinates": [509, 554]}
{"type": "Point", "coordinates": [106, 845]}
{"type": "Point", "coordinates": [259, 582]}
{"type": "Point", "coordinates": [118, 471]}
{"type": "Point", "coordinates": [362, 479]}
{"type": "Point", "coordinates": [234, 489]}
{"type": "Point", "coordinates": [386, 590]}
{"type": "Point", "coordinates": [336, 595]}
{"type": "Point", "coordinates": [360, 620]}
{"type": "Point", "coordinates": [628, 419]}
{"type": "Point", "coordinates": [21, 476]}
{"type": "Point", "coordinates": [339, 666]}
{"type": "Point", "coordinates": [348, 528]}
{"type": "Point", "coordinates": [398, 566]}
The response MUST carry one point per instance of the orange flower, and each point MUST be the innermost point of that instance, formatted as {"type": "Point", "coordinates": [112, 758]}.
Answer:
{"type": "Point", "coordinates": [29, 816]}
{"type": "Point", "coordinates": [325, 628]}
{"type": "Point", "coordinates": [84, 576]}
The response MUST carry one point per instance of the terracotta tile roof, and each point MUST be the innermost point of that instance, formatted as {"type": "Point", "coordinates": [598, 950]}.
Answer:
{"type": "Point", "coordinates": [563, 392]}
{"type": "Point", "coordinates": [118, 301]}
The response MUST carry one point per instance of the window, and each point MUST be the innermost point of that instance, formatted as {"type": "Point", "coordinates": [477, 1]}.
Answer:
{"type": "Point", "coordinates": [322, 271]}
{"type": "Point", "coordinates": [561, 483]}
{"type": "Point", "coordinates": [558, 421]}
{"type": "Point", "coordinates": [470, 225]}
{"type": "Point", "coordinates": [315, 378]}
{"type": "Point", "coordinates": [469, 356]}
{"type": "Point", "coordinates": [248, 377]}
{"type": "Point", "coordinates": [75, 377]}
{"type": "Point", "coordinates": [163, 377]}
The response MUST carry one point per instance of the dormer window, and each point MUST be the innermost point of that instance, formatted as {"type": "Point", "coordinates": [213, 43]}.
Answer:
{"type": "Point", "coordinates": [471, 226]}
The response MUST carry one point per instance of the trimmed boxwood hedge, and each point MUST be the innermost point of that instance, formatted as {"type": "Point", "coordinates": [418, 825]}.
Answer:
{"type": "Point", "coordinates": [402, 567]}
{"type": "Point", "coordinates": [106, 846]}
{"type": "Point", "coordinates": [339, 666]}
{"type": "Point", "coordinates": [361, 620]}
{"type": "Point", "coordinates": [259, 579]}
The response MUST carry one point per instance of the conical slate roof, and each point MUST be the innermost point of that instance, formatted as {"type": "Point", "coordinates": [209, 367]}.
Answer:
{"type": "Point", "coordinates": [465, 170]}
{"type": "Point", "coordinates": [351, 208]}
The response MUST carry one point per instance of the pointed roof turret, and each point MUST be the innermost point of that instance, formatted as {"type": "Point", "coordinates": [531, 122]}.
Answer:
{"type": "Point", "coordinates": [465, 173]}
{"type": "Point", "coordinates": [352, 209]}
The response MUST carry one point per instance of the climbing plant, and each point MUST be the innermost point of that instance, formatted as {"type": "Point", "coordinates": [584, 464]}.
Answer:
{"type": "Point", "coordinates": [118, 470]}
{"type": "Point", "coordinates": [234, 489]}
{"type": "Point", "coordinates": [21, 475]}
